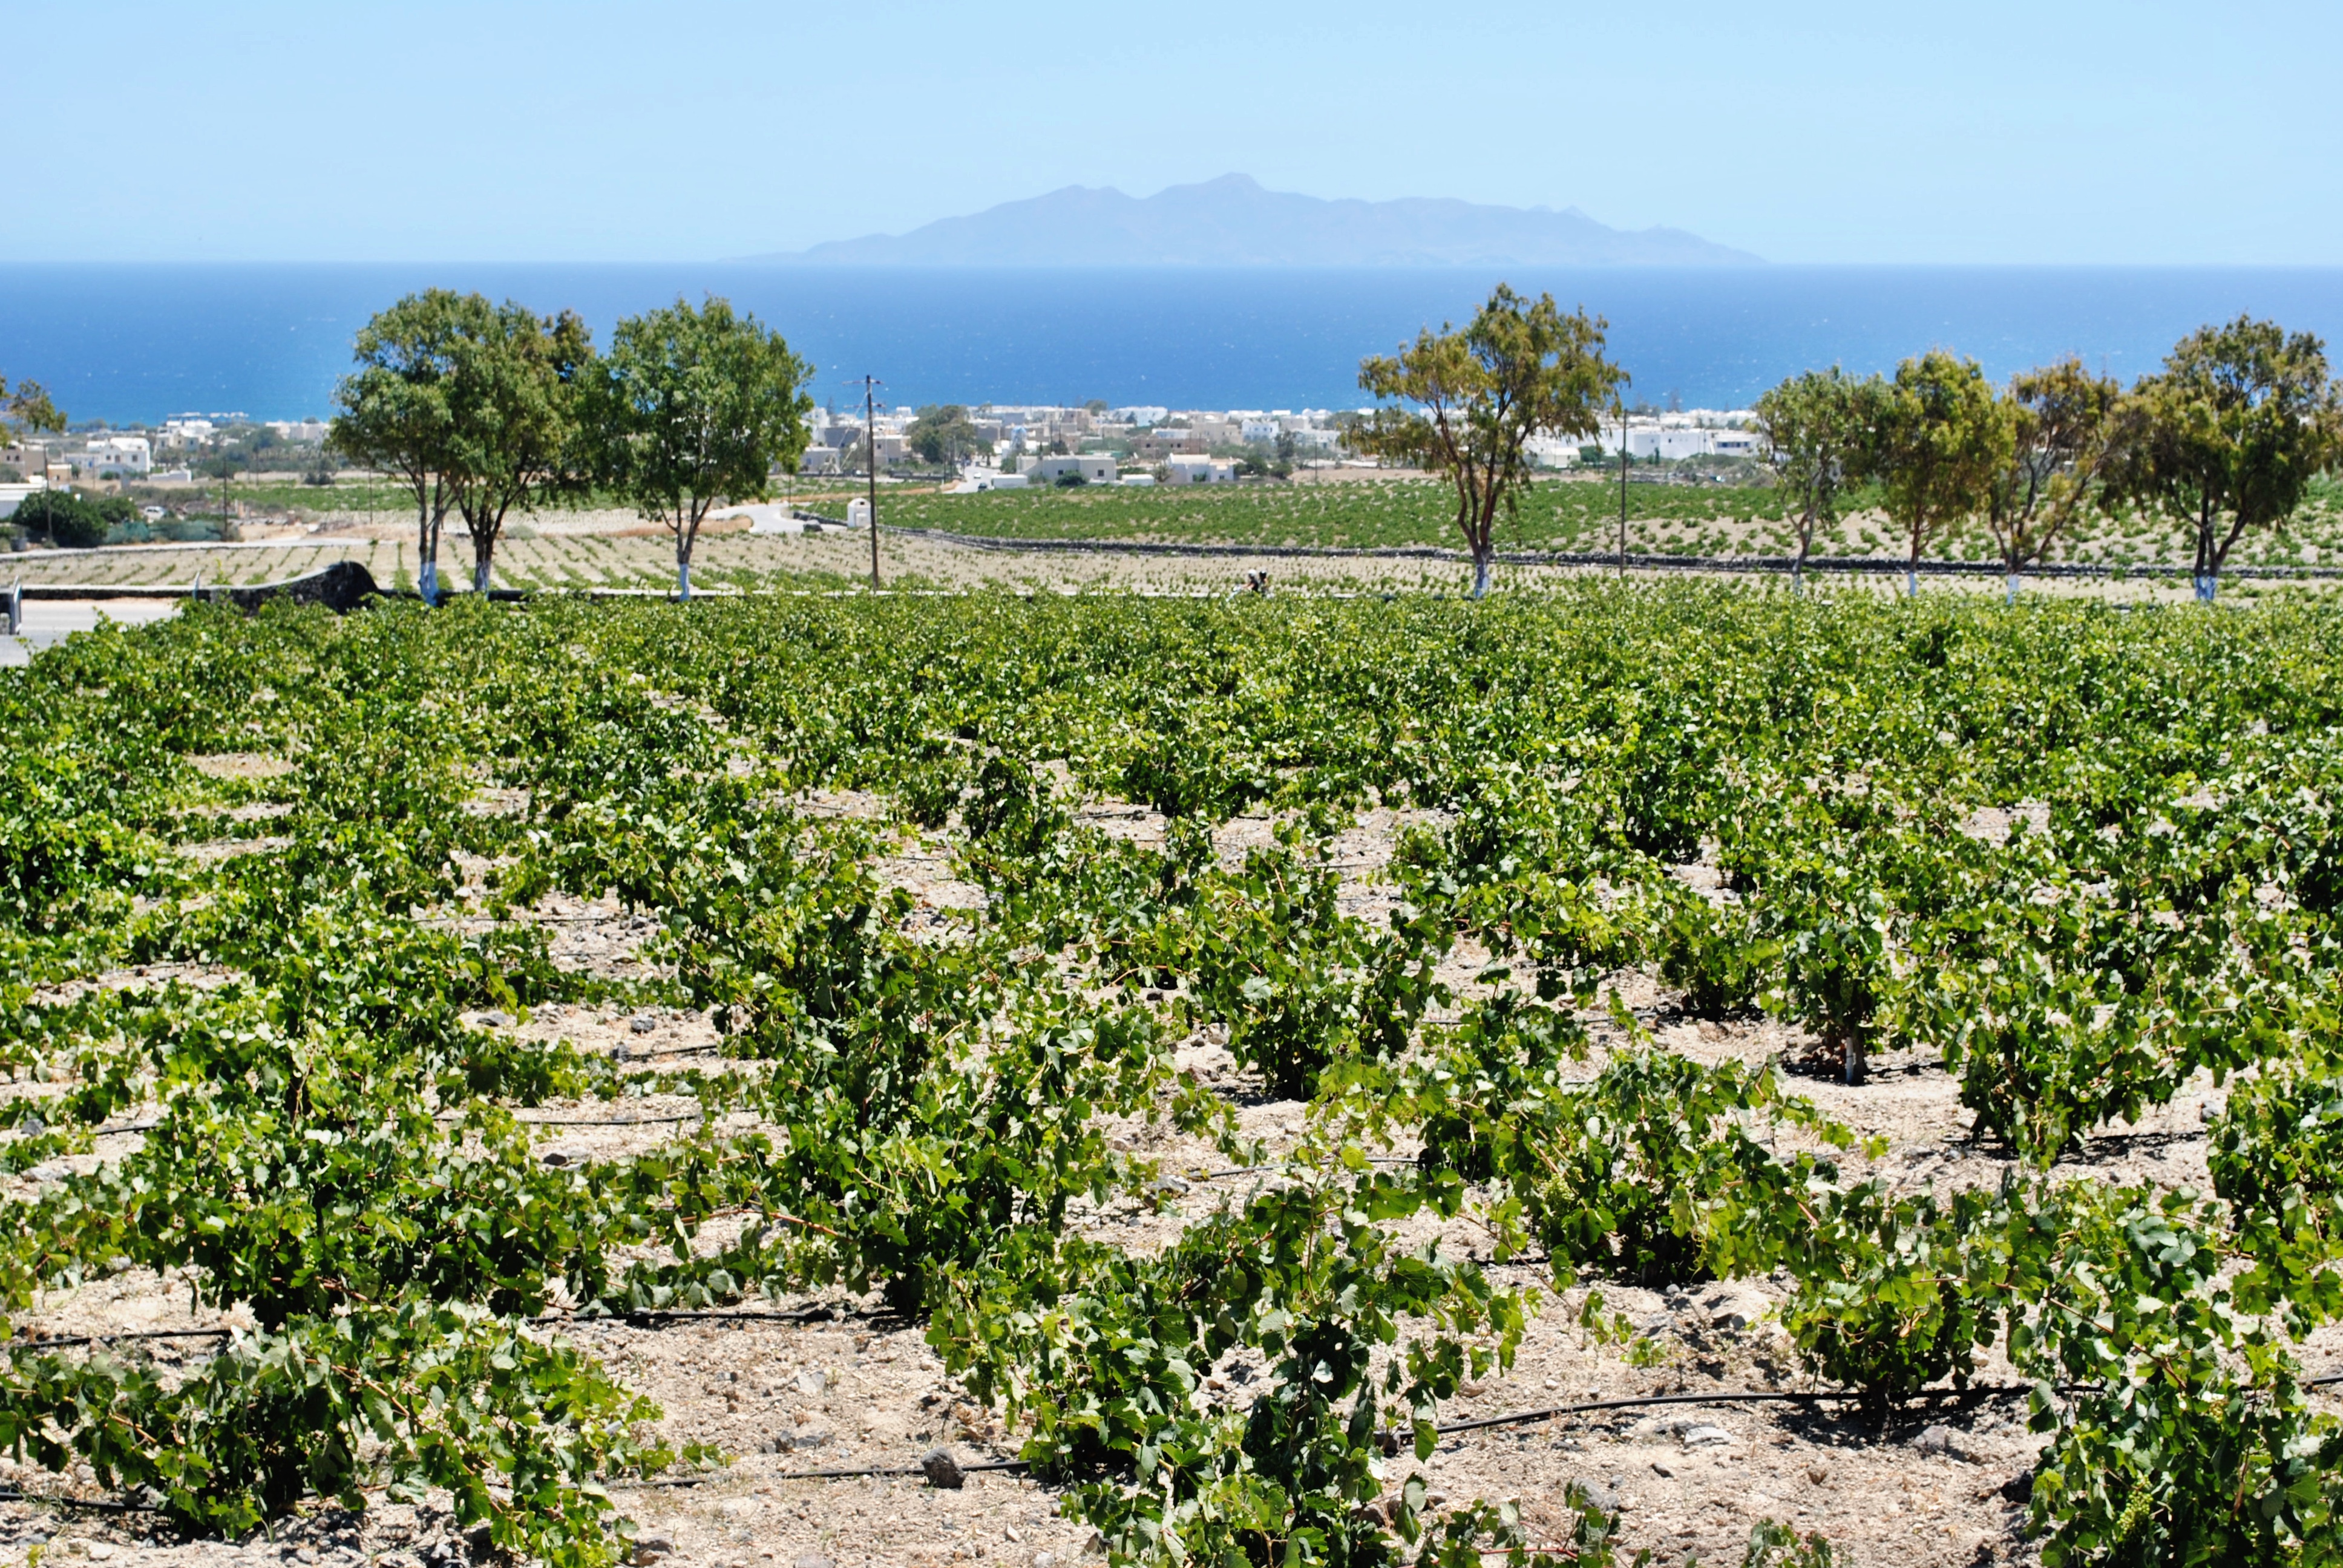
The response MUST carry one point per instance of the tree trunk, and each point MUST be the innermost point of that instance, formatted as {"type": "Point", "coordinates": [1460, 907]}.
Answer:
{"type": "Point", "coordinates": [682, 576]}
{"type": "Point", "coordinates": [2206, 566]}
{"type": "Point", "coordinates": [1480, 574]}
{"type": "Point", "coordinates": [481, 569]}
{"type": "Point", "coordinates": [426, 575]}
{"type": "Point", "coordinates": [2013, 590]}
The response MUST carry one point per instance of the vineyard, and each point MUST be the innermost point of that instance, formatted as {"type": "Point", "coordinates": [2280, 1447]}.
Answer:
{"type": "Point", "coordinates": [612, 548]}
{"type": "Point", "coordinates": [1575, 513]}
{"type": "Point", "coordinates": [1233, 1049]}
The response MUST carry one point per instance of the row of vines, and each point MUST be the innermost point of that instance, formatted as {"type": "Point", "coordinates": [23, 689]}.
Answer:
{"type": "Point", "coordinates": [331, 1134]}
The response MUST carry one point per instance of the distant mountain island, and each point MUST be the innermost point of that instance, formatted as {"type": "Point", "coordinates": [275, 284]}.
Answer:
{"type": "Point", "coordinates": [1233, 221]}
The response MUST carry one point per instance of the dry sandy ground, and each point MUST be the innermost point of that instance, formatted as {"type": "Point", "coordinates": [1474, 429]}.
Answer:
{"type": "Point", "coordinates": [828, 1382]}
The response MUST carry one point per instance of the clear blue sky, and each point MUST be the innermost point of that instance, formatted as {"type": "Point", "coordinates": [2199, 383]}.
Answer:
{"type": "Point", "coordinates": [1982, 131]}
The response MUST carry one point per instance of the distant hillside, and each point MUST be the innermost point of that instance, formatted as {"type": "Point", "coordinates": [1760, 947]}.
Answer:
{"type": "Point", "coordinates": [1233, 221]}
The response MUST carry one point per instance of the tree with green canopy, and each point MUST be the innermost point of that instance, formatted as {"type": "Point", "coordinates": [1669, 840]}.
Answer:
{"type": "Point", "coordinates": [2229, 434]}
{"type": "Point", "coordinates": [942, 433]}
{"type": "Point", "coordinates": [394, 413]}
{"type": "Point", "coordinates": [1467, 404]}
{"type": "Point", "coordinates": [2062, 422]}
{"type": "Point", "coordinates": [693, 407]}
{"type": "Point", "coordinates": [64, 518]}
{"type": "Point", "coordinates": [1938, 443]}
{"type": "Point", "coordinates": [26, 407]}
{"type": "Point", "coordinates": [515, 436]}
{"type": "Point", "coordinates": [1818, 429]}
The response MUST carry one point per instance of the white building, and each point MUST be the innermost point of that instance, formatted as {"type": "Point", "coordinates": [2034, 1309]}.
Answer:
{"type": "Point", "coordinates": [1143, 414]}
{"type": "Point", "coordinates": [1096, 469]}
{"type": "Point", "coordinates": [113, 456]}
{"type": "Point", "coordinates": [976, 481]}
{"type": "Point", "coordinates": [186, 430]}
{"type": "Point", "coordinates": [818, 460]}
{"type": "Point", "coordinates": [302, 432]}
{"type": "Point", "coordinates": [1551, 451]}
{"type": "Point", "coordinates": [1674, 438]}
{"type": "Point", "coordinates": [1197, 470]}
{"type": "Point", "coordinates": [1261, 432]}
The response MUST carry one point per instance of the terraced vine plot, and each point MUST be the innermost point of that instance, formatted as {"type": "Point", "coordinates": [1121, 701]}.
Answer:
{"type": "Point", "coordinates": [1567, 514]}
{"type": "Point", "coordinates": [1556, 515]}
{"type": "Point", "coordinates": [1205, 1051]}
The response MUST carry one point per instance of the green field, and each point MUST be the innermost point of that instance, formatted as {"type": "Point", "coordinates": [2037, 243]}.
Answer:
{"type": "Point", "coordinates": [1578, 515]}
{"type": "Point", "coordinates": [1556, 515]}
{"type": "Point", "coordinates": [1561, 515]}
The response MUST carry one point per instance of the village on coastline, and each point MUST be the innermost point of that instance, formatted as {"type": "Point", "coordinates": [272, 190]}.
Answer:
{"type": "Point", "coordinates": [989, 446]}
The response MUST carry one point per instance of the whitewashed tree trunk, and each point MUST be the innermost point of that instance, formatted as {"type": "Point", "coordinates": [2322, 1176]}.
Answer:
{"type": "Point", "coordinates": [1479, 577]}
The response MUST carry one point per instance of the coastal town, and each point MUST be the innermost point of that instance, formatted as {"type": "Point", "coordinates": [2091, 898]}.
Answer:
{"type": "Point", "coordinates": [187, 466]}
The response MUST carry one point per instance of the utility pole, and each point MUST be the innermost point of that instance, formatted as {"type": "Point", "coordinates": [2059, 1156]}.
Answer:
{"type": "Point", "coordinates": [870, 463]}
{"type": "Point", "coordinates": [1623, 490]}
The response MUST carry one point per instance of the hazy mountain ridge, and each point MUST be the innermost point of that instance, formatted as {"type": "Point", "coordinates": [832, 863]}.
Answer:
{"type": "Point", "coordinates": [1233, 221]}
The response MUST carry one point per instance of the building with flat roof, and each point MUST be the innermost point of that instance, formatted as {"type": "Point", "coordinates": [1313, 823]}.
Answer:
{"type": "Point", "coordinates": [1202, 470]}
{"type": "Point", "coordinates": [113, 456]}
{"type": "Point", "coordinates": [1095, 467]}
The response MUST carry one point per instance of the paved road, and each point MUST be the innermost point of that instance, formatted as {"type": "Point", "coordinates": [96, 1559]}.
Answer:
{"type": "Point", "coordinates": [50, 621]}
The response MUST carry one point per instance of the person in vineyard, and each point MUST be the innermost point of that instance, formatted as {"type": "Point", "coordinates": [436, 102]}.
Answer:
{"type": "Point", "coordinates": [1466, 404]}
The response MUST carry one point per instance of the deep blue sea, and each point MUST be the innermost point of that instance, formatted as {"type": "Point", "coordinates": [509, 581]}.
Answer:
{"type": "Point", "coordinates": [127, 344]}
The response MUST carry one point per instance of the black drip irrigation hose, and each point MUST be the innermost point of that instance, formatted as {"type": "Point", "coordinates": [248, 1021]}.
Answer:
{"type": "Point", "coordinates": [639, 1317]}
{"type": "Point", "coordinates": [608, 1120]}
{"type": "Point", "coordinates": [1281, 1168]}
{"type": "Point", "coordinates": [663, 1317]}
{"type": "Point", "coordinates": [1733, 1396]}
{"type": "Point", "coordinates": [32, 1343]}
{"type": "Point", "coordinates": [978, 1466]}
{"type": "Point", "coordinates": [966, 1467]}
{"type": "Point", "coordinates": [100, 1505]}
{"type": "Point", "coordinates": [1525, 1417]}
